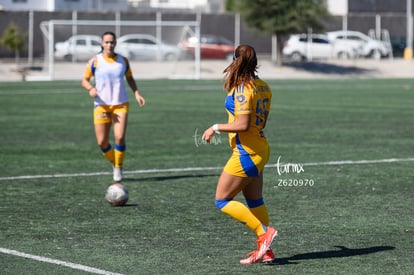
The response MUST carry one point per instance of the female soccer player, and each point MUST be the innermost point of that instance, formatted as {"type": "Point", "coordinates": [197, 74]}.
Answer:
{"type": "Point", "coordinates": [247, 103]}
{"type": "Point", "coordinates": [110, 99]}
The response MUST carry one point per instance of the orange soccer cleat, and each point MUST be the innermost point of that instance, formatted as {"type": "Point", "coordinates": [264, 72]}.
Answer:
{"type": "Point", "coordinates": [263, 244]}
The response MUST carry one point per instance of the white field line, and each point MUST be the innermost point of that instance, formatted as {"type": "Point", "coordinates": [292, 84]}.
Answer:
{"type": "Point", "coordinates": [99, 271]}
{"type": "Point", "coordinates": [349, 162]}
{"type": "Point", "coordinates": [57, 262]}
{"type": "Point", "coordinates": [192, 169]}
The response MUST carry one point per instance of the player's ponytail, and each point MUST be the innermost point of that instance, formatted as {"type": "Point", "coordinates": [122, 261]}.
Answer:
{"type": "Point", "coordinates": [243, 68]}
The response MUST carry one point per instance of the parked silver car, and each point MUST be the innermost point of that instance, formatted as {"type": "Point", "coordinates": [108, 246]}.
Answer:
{"type": "Point", "coordinates": [78, 47]}
{"type": "Point", "coordinates": [300, 47]}
{"type": "Point", "coordinates": [146, 47]}
{"type": "Point", "coordinates": [367, 46]}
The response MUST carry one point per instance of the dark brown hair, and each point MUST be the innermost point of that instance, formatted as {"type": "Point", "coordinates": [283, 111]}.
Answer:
{"type": "Point", "coordinates": [109, 33]}
{"type": "Point", "coordinates": [243, 68]}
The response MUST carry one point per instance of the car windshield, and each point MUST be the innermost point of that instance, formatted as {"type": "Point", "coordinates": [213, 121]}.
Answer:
{"type": "Point", "coordinates": [213, 40]}
{"type": "Point", "coordinates": [208, 40]}
{"type": "Point", "coordinates": [319, 40]}
{"type": "Point", "coordinates": [95, 43]}
{"type": "Point", "coordinates": [225, 41]}
{"type": "Point", "coordinates": [138, 41]}
{"type": "Point", "coordinates": [81, 42]}
{"type": "Point", "coordinates": [147, 41]}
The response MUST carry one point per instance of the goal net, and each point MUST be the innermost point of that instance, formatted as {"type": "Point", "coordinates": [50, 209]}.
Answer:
{"type": "Point", "coordinates": [154, 48]}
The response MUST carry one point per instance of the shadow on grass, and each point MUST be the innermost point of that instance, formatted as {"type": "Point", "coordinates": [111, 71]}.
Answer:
{"type": "Point", "coordinates": [329, 69]}
{"type": "Point", "coordinates": [127, 205]}
{"type": "Point", "coordinates": [343, 252]}
{"type": "Point", "coordinates": [163, 178]}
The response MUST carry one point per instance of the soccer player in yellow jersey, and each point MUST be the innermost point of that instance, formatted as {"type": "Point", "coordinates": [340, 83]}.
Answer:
{"type": "Point", "coordinates": [247, 104]}
{"type": "Point", "coordinates": [111, 106]}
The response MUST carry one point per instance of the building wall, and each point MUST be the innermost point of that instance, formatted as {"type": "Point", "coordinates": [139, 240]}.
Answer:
{"type": "Point", "coordinates": [64, 5]}
{"type": "Point", "coordinates": [377, 6]}
{"type": "Point", "coordinates": [178, 4]}
{"type": "Point", "coordinates": [337, 7]}
{"type": "Point", "coordinates": [26, 5]}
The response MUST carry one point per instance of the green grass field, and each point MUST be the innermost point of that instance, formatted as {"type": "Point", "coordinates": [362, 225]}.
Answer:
{"type": "Point", "coordinates": [354, 139]}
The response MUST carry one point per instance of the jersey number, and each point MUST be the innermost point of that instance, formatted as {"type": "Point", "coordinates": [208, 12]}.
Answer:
{"type": "Point", "coordinates": [261, 110]}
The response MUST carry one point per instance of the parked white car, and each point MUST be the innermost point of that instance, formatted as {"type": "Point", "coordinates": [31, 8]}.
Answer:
{"type": "Point", "coordinates": [78, 47]}
{"type": "Point", "coordinates": [299, 48]}
{"type": "Point", "coordinates": [146, 47]}
{"type": "Point", "coordinates": [367, 47]}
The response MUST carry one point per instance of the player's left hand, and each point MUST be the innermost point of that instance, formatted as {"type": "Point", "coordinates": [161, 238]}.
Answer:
{"type": "Point", "coordinates": [208, 135]}
{"type": "Point", "coordinates": [140, 99]}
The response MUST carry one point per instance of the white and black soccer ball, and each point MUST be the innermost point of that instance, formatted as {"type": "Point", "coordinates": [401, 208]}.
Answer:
{"type": "Point", "coordinates": [117, 194]}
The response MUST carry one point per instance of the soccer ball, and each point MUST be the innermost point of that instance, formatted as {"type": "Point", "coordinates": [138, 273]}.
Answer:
{"type": "Point", "coordinates": [117, 194]}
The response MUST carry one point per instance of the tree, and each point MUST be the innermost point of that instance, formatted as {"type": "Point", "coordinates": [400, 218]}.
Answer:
{"type": "Point", "coordinates": [281, 17]}
{"type": "Point", "coordinates": [14, 39]}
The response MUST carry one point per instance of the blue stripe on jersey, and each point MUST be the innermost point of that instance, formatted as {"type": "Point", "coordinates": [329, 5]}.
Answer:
{"type": "Point", "coordinates": [93, 68]}
{"type": "Point", "coordinates": [229, 103]}
{"type": "Point", "coordinates": [246, 162]}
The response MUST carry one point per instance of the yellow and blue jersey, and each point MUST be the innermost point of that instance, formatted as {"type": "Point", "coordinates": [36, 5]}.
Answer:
{"type": "Point", "coordinates": [255, 101]}
{"type": "Point", "coordinates": [109, 76]}
{"type": "Point", "coordinates": [250, 148]}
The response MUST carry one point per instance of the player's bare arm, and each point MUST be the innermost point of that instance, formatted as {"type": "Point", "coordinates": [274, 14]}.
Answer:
{"type": "Point", "coordinates": [241, 124]}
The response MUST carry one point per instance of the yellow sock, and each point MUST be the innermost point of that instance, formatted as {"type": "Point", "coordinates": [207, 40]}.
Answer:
{"type": "Point", "coordinates": [119, 155]}
{"type": "Point", "coordinates": [241, 213]}
{"type": "Point", "coordinates": [259, 209]}
{"type": "Point", "coordinates": [261, 213]}
{"type": "Point", "coordinates": [108, 153]}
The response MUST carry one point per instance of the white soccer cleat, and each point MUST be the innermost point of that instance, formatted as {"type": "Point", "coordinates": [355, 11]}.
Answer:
{"type": "Point", "coordinates": [117, 174]}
